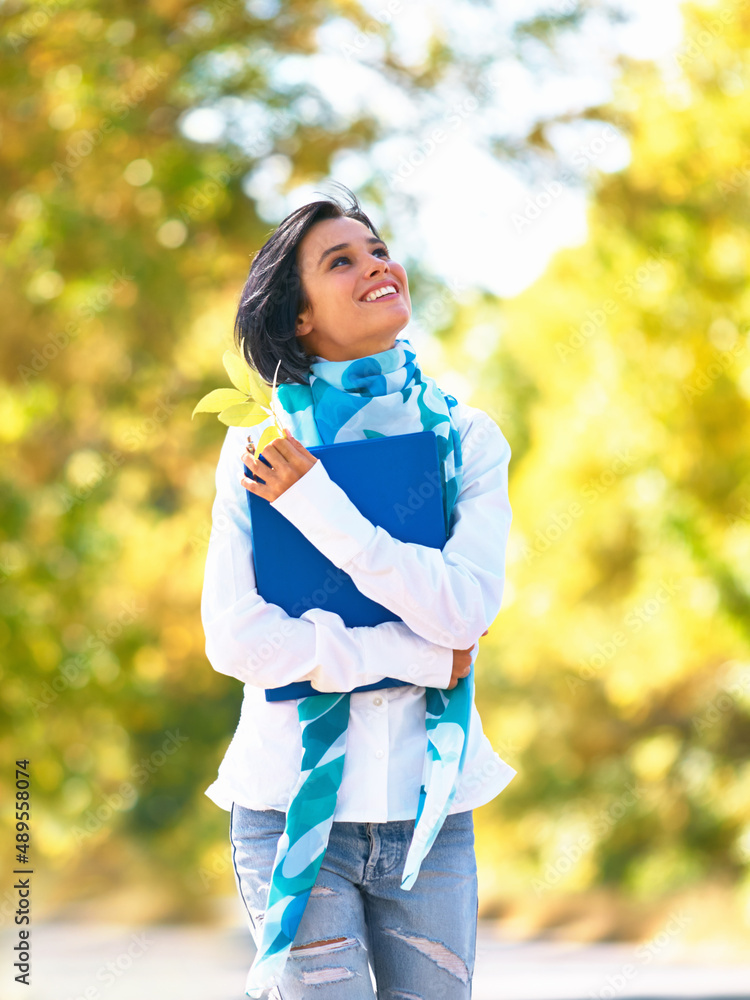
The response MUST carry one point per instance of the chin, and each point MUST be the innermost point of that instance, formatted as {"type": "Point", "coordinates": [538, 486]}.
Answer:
{"type": "Point", "coordinates": [399, 323]}
{"type": "Point", "coordinates": [391, 337]}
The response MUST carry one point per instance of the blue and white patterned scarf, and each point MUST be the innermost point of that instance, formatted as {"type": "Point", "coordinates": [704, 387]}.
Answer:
{"type": "Point", "coordinates": [375, 396]}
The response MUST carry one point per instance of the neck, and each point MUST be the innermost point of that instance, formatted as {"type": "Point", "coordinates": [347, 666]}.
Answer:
{"type": "Point", "coordinates": [350, 352]}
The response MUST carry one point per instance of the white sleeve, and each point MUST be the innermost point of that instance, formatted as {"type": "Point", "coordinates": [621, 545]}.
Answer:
{"type": "Point", "coordinates": [449, 597]}
{"type": "Point", "coordinates": [257, 642]}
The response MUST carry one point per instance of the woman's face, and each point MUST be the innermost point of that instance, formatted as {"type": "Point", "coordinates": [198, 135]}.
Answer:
{"type": "Point", "coordinates": [341, 263]}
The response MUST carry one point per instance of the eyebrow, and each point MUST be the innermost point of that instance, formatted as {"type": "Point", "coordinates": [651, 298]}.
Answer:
{"type": "Point", "coordinates": [345, 246]}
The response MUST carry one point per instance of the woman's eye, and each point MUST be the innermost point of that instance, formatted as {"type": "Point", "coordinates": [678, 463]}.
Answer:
{"type": "Point", "coordinates": [378, 250]}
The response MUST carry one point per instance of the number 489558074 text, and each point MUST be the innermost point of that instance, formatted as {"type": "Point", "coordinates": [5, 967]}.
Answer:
{"type": "Point", "coordinates": [23, 812]}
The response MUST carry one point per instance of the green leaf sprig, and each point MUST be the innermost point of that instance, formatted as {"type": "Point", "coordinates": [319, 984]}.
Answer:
{"type": "Point", "coordinates": [248, 403]}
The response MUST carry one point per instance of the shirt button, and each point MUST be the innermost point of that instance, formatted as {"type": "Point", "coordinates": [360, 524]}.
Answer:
{"type": "Point", "coordinates": [377, 701]}
{"type": "Point", "coordinates": [379, 753]}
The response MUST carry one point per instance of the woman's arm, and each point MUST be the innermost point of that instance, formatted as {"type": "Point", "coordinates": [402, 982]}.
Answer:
{"type": "Point", "coordinates": [257, 642]}
{"type": "Point", "coordinates": [448, 597]}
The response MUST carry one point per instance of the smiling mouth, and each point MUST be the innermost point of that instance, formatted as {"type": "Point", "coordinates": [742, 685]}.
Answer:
{"type": "Point", "coordinates": [379, 296]}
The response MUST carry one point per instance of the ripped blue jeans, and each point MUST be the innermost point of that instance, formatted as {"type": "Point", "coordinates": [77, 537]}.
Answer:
{"type": "Point", "coordinates": [362, 936]}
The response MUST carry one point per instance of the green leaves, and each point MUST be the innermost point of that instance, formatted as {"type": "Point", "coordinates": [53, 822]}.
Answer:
{"type": "Point", "coordinates": [248, 403]}
{"type": "Point", "coordinates": [219, 399]}
{"type": "Point", "coordinates": [245, 379]}
{"type": "Point", "coordinates": [243, 415]}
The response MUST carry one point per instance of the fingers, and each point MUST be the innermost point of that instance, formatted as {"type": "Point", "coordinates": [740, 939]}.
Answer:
{"type": "Point", "coordinates": [279, 465]}
{"type": "Point", "coordinates": [287, 447]}
{"type": "Point", "coordinates": [462, 665]}
{"type": "Point", "coordinates": [254, 465]}
{"type": "Point", "coordinates": [296, 449]}
{"type": "Point", "coordinates": [296, 444]}
{"type": "Point", "coordinates": [272, 453]}
{"type": "Point", "coordinates": [458, 673]}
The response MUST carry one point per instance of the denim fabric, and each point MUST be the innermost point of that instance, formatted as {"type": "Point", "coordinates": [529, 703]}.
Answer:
{"type": "Point", "coordinates": [395, 944]}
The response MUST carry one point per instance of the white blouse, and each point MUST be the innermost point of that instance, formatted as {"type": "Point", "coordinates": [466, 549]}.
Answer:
{"type": "Point", "coordinates": [445, 600]}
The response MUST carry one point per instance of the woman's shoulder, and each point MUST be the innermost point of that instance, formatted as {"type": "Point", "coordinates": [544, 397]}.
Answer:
{"type": "Point", "coordinates": [478, 426]}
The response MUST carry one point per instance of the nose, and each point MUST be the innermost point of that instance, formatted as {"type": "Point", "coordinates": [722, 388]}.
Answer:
{"type": "Point", "coordinates": [377, 264]}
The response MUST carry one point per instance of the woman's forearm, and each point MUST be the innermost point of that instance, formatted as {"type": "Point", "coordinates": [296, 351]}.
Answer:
{"type": "Point", "coordinates": [448, 597]}
{"type": "Point", "coordinates": [260, 644]}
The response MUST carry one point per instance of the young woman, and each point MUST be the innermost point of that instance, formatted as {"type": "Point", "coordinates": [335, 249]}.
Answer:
{"type": "Point", "coordinates": [351, 811]}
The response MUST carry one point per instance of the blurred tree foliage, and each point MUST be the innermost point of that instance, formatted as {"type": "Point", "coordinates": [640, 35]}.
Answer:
{"type": "Point", "coordinates": [621, 679]}
{"type": "Point", "coordinates": [124, 247]}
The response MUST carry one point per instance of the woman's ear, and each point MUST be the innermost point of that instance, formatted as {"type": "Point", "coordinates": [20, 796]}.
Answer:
{"type": "Point", "coordinates": [304, 323]}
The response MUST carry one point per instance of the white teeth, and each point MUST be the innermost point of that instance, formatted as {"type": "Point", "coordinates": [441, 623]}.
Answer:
{"type": "Point", "coordinates": [379, 292]}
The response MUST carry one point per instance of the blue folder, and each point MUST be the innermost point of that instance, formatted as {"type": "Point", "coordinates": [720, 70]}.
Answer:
{"type": "Point", "coordinates": [395, 482]}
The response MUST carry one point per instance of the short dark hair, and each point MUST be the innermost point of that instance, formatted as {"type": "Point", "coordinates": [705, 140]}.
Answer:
{"type": "Point", "coordinates": [273, 296]}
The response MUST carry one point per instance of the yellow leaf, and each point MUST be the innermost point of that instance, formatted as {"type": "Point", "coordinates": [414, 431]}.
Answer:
{"type": "Point", "coordinates": [239, 372]}
{"type": "Point", "coordinates": [259, 388]}
{"type": "Point", "coordinates": [219, 399]}
{"type": "Point", "coordinates": [243, 415]}
{"type": "Point", "coordinates": [246, 378]}
{"type": "Point", "coordinates": [269, 434]}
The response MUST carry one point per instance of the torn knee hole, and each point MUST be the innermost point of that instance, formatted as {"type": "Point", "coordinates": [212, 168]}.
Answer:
{"type": "Point", "coordinates": [441, 955]}
{"type": "Point", "coordinates": [324, 947]}
{"type": "Point", "coordinates": [318, 944]}
{"type": "Point", "coordinates": [322, 977]}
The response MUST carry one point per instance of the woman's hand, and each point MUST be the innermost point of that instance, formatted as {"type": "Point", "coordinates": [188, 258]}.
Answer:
{"type": "Point", "coordinates": [462, 663]}
{"type": "Point", "coordinates": [289, 459]}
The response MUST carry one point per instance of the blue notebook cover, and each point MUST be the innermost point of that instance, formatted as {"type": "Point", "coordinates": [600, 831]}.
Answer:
{"type": "Point", "coordinates": [395, 482]}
